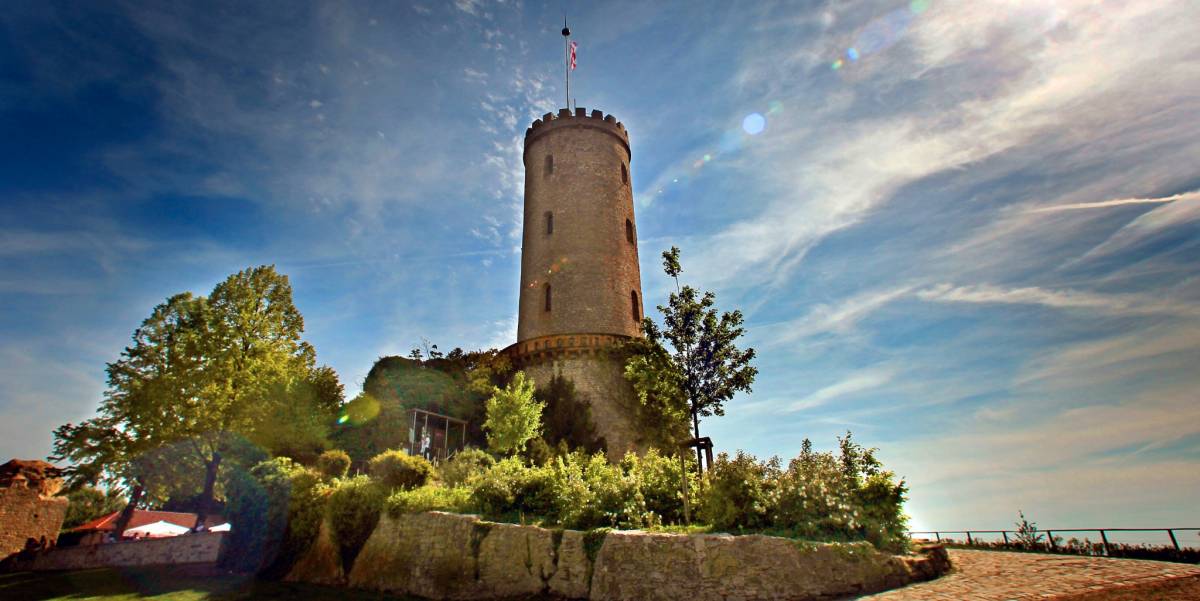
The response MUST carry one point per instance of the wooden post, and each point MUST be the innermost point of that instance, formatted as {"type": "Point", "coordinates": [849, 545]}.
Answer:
{"type": "Point", "coordinates": [687, 518]}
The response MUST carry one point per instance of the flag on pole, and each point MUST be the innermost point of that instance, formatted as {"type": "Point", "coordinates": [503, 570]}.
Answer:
{"type": "Point", "coordinates": [573, 47]}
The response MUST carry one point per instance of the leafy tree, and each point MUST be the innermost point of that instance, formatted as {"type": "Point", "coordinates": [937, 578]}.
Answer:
{"type": "Point", "coordinates": [567, 419]}
{"type": "Point", "coordinates": [88, 503]}
{"type": "Point", "coordinates": [513, 415]}
{"type": "Point", "coordinates": [201, 374]}
{"type": "Point", "coordinates": [703, 365]}
{"type": "Point", "coordinates": [662, 412]}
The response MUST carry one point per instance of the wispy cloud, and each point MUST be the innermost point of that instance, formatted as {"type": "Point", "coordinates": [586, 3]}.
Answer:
{"type": "Point", "coordinates": [840, 317]}
{"type": "Point", "coordinates": [1119, 304]}
{"type": "Point", "coordinates": [1184, 197]}
{"type": "Point", "coordinates": [868, 379]}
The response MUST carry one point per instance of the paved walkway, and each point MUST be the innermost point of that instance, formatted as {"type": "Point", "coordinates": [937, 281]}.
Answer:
{"type": "Point", "coordinates": [1004, 576]}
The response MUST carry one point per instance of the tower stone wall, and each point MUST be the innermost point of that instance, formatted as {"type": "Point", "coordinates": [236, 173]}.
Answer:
{"type": "Point", "coordinates": [581, 287]}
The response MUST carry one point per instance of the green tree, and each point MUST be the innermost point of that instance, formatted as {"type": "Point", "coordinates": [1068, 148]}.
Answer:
{"type": "Point", "coordinates": [703, 365]}
{"type": "Point", "coordinates": [88, 503]}
{"type": "Point", "coordinates": [513, 415]}
{"type": "Point", "coordinates": [203, 373]}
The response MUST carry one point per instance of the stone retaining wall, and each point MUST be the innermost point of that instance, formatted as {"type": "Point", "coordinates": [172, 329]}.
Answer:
{"type": "Point", "coordinates": [186, 549]}
{"type": "Point", "coordinates": [447, 556]}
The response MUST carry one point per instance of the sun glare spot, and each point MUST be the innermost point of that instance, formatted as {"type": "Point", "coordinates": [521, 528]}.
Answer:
{"type": "Point", "coordinates": [754, 123]}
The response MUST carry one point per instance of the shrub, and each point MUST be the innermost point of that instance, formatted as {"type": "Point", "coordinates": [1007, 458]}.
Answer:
{"type": "Point", "coordinates": [353, 509]}
{"type": "Point", "coordinates": [464, 464]}
{"type": "Point", "coordinates": [659, 478]}
{"type": "Point", "coordinates": [429, 498]}
{"type": "Point", "coordinates": [306, 510]}
{"type": "Point", "coordinates": [591, 493]}
{"type": "Point", "coordinates": [510, 487]}
{"type": "Point", "coordinates": [257, 502]}
{"type": "Point", "coordinates": [397, 469]}
{"type": "Point", "coordinates": [333, 463]}
{"type": "Point", "coordinates": [741, 493]}
{"type": "Point", "coordinates": [843, 497]}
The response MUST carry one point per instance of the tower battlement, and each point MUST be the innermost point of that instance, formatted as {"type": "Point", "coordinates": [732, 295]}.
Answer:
{"type": "Point", "coordinates": [579, 118]}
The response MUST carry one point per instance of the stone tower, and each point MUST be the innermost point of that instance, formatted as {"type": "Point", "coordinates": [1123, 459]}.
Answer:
{"type": "Point", "coordinates": [581, 288]}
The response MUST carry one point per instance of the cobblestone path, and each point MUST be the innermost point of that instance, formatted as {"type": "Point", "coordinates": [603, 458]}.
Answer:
{"type": "Point", "coordinates": [1001, 576]}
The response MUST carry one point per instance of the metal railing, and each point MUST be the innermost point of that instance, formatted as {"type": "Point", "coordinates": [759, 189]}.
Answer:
{"type": "Point", "coordinates": [1050, 534]}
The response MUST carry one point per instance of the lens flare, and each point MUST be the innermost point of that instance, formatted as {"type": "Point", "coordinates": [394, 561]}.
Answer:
{"type": "Point", "coordinates": [707, 158]}
{"type": "Point", "coordinates": [852, 54]}
{"type": "Point", "coordinates": [837, 64]}
{"type": "Point", "coordinates": [754, 123]}
{"type": "Point", "coordinates": [774, 107]}
{"type": "Point", "coordinates": [918, 6]}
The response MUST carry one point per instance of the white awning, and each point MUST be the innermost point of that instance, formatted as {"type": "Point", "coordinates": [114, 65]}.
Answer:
{"type": "Point", "coordinates": [157, 530]}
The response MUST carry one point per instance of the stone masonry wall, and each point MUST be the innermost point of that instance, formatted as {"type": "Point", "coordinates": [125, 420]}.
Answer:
{"type": "Point", "coordinates": [186, 549]}
{"type": "Point", "coordinates": [447, 556]}
{"type": "Point", "coordinates": [600, 382]}
{"type": "Point", "coordinates": [24, 514]}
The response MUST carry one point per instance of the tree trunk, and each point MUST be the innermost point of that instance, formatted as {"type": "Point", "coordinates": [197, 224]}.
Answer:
{"type": "Point", "coordinates": [127, 512]}
{"type": "Point", "coordinates": [699, 456]}
{"type": "Point", "coordinates": [210, 482]}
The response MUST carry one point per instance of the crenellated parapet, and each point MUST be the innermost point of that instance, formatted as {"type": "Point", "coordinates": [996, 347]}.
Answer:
{"type": "Point", "coordinates": [580, 118]}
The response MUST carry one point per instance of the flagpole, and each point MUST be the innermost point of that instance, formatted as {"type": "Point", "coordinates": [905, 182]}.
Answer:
{"type": "Point", "coordinates": [566, 32]}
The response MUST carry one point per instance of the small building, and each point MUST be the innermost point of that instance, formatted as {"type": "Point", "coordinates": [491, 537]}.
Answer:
{"type": "Point", "coordinates": [434, 436]}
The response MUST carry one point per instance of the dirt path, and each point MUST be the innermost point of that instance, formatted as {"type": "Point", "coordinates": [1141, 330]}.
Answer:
{"type": "Point", "coordinates": [1005, 576]}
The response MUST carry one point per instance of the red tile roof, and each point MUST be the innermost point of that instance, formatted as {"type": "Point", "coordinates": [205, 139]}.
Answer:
{"type": "Point", "coordinates": [141, 517]}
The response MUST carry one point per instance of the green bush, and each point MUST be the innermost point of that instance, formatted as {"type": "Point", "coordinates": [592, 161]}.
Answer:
{"type": "Point", "coordinates": [464, 464]}
{"type": "Point", "coordinates": [659, 478]}
{"type": "Point", "coordinates": [510, 487]}
{"type": "Point", "coordinates": [257, 502]}
{"type": "Point", "coordinates": [333, 463]}
{"type": "Point", "coordinates": [740, 494]}
{"type": "Point", "coordinates": [397, 469]}
{"type": "Point", "coordinates": [591, 493]}
{"type": "Point", "coordinates": [429, 498]}
{"type": "Point", "coordinates": [306, 510]}
{"type": "Point", "coordinates": [353, 508]}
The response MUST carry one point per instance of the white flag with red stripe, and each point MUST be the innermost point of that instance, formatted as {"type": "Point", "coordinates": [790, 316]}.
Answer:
{"type": "Point", "coordinates": [573, 47]}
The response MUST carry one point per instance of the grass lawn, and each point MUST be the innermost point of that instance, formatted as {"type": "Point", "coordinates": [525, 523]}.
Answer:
{"type": "Point", "coordinates": [166, 584]}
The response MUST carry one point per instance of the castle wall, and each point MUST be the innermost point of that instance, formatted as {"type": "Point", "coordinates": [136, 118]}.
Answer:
{"type": "Point", "coordinates": [600, 382]}
{"type": "Point", "coordinates": [25, 514]}
{"type": "Point", "coordinates": [577, 169]}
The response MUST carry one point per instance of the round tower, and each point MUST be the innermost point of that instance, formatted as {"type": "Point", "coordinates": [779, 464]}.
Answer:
{"type": "Point", "coordinates": [581, 288]}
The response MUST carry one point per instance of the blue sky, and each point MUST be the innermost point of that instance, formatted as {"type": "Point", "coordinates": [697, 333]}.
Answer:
{"type": "Point", "coordinates": [969, 231]}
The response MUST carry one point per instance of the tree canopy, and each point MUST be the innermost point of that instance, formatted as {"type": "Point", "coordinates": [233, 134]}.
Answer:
{"type": "Point", "coordinates": [702, 368]}
{"type": "Point", "coordinates": [513, 415]}
{"type": "Point", "coordinates": [202, 374]}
